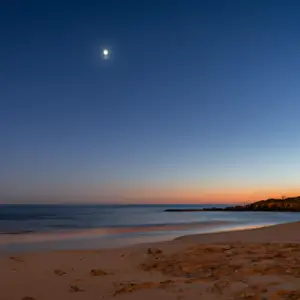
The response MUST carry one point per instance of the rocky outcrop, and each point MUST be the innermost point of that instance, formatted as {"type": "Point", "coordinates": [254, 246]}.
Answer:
{"type": "Point", "coordinates": [285, 205]}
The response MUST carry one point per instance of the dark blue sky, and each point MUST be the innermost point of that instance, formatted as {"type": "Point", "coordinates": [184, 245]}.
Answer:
{"type": "Point", "coordinates": [200, 100]}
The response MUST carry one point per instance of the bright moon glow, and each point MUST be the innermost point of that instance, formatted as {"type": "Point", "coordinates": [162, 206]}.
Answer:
{"type": "Point", "coordinates": [105, 53]}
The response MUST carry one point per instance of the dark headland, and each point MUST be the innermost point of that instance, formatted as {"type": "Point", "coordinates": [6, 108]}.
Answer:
{"type": "Point", "coordinates": [285, 205]}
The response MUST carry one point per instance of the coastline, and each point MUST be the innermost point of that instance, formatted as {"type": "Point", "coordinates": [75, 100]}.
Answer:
{"type": "Point", "coordinates": [291, 204]}
{"type": "Point", "coordinates": [58, 227]}
{"type": "Point", "coordinates": [113, 237]}
{"type": "Point", "coordinates": [225, 265]}
{"type": "Point", "coordinates": [104, 231]}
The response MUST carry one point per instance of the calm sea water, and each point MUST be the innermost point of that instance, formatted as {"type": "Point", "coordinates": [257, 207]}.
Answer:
{"type": "Point", "coordinates": [44, 218]}
{"type": "Point", "coordinates": [118, 224]}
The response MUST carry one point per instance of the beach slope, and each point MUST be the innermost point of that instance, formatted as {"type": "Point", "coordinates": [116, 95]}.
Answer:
{"type": "Point", "coordinates": [250, 264]}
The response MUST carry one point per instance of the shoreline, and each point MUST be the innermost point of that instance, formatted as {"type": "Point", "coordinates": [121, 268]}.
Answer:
{"type": "Point", "coordinates": [39, 236]}
{"type": "Point", "coordinates": [114, 238]}
{"type": "Point", "coordinates": [243, 233]}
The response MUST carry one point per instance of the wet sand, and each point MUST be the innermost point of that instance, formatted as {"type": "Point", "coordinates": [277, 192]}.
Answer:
{"type": "Point", "coordinates": [106, 231]}
{"type": "Point", "coordinates": [253, 264]}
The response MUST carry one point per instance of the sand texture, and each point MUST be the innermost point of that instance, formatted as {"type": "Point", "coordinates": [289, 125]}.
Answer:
{"type": "Point", "coordinates": [252, 264]}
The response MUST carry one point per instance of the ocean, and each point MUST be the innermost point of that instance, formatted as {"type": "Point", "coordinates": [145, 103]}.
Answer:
{"type": "Point", "coordinates": [50, 227]}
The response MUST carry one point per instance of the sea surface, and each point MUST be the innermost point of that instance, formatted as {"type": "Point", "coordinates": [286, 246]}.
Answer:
{"type": "Point", "coordinates": [49, 227]}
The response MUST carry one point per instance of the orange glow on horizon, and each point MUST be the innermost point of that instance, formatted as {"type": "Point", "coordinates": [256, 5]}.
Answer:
{"type": "Point", "coordinates": [142, 195]}
{"type": "Point", "coordinates": [197, 196]}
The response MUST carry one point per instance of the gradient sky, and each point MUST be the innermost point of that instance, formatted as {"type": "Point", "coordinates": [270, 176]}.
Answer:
{"type": "Point", "coordinates": [200, 100]}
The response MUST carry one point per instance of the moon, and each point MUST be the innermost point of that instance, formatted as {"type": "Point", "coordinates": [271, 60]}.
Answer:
{"type": "Point", "coordinates": [105, 53]}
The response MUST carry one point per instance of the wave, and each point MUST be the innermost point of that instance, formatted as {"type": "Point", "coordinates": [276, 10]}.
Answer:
{"type": "Point", "coordinates": [29, 236]}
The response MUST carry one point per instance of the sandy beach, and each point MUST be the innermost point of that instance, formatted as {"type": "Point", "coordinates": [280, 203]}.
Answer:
{"type": "Point", "coordinates": [250, 264]}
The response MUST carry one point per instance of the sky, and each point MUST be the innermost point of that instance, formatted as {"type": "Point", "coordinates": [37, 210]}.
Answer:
{"type": "Point", "coordinates": [198, 102]}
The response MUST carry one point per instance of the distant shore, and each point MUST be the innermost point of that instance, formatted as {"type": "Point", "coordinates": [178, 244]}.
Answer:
{"type": "Point", "coordinates": [291, 204]}
{"type": "Point", "coordinates": [231, 209]}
